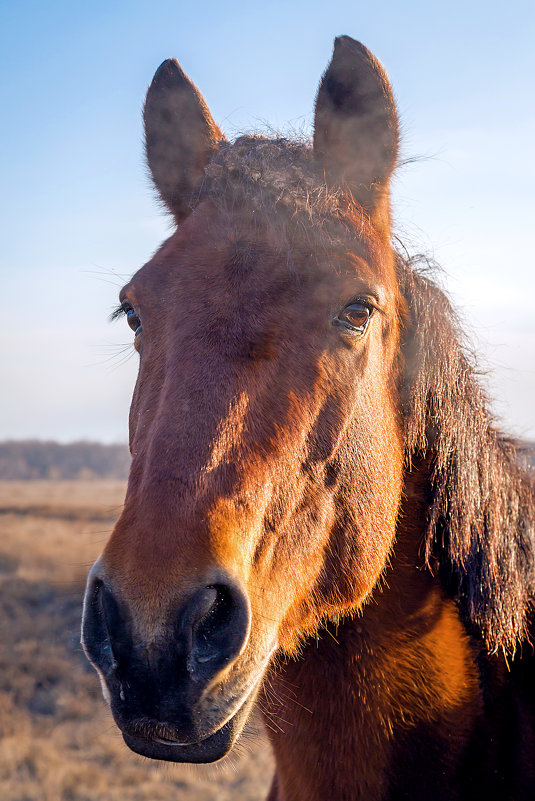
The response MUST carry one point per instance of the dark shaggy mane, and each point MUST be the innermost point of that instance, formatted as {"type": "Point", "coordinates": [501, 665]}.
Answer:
{"type": "Point", "coordinates": [481, 525]}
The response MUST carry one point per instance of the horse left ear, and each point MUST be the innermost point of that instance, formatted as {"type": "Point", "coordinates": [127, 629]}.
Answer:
{"type": "Point", "coordinates": [356, 131]}
{"type": "Point", "coordinates": [180, 137]}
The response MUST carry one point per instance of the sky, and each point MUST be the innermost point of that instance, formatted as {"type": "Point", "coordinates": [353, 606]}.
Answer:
{"type": "Point", "coordinates": [79, 216]}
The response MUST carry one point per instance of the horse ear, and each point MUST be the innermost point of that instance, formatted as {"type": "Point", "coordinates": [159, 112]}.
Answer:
{"type": "Point", "coordinates": [356, 128]}
{"type": "Point", "coordinates": [180, 136]}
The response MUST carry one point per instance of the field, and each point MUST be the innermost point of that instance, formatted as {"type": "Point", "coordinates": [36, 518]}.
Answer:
{"type": "Point", "coordinates": [58, 741]}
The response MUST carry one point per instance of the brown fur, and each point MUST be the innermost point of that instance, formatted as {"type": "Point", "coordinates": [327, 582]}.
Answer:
{"type": "Point", "coordinates": [356, 489]}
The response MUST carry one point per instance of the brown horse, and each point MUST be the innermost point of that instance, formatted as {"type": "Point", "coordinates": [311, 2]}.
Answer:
{"type": "Point", "coordinates": [320, 514]}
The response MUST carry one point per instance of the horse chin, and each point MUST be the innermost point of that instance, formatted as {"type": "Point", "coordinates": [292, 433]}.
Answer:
{"type": "Point", "coordinates": [211, 749]}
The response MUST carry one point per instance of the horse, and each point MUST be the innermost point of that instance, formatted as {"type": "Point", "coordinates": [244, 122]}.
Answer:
{"type": "Point", "coordinates": [321, 517]}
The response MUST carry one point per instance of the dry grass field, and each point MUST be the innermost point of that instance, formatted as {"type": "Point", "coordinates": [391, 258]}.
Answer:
{"type": "Point", "coordinates": [58, 741]}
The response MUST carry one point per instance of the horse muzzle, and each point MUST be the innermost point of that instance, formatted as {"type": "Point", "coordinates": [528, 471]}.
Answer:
{"type": "Point", "coordinates": [181, 695]}
{"type": "Point", "coordinates": [149, 743]}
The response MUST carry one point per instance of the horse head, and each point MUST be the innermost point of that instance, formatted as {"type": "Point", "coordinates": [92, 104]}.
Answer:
{"type": "Point", "coordinates": [272, 415]}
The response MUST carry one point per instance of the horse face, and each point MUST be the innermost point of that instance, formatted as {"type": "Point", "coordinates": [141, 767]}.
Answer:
{"type": "Point", "coordinates": [265, 436]}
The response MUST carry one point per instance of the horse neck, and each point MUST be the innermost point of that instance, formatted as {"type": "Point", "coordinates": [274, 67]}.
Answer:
{"type": "Point", "coordinates": [344, 718]}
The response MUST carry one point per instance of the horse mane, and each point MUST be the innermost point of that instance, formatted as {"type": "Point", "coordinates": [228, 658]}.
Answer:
{"type": "Point", "coordinates": [480, 533]}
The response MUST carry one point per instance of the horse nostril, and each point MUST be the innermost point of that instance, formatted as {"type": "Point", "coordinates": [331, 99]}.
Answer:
{"type": "Point", "coordinates": [205, 602]}
{"type": "Point", "coordinates": [95, 638]}
{"type": "Point", "coordinates": [104, 635]}
{"type": "Point", "coordinates": [215, 624]}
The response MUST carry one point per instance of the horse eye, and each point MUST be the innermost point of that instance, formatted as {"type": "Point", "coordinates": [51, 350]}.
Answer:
{"type": "Point", "coordinates": [354, 318]}
{"type": "Point", "coordinates": [132, 318]}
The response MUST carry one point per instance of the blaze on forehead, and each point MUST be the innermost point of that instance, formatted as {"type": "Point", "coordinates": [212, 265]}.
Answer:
{"type": "Point", "coordinates": [278, 181]}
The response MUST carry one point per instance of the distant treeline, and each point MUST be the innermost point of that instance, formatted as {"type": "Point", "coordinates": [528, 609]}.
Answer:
{"type": "Point", "coordinates": [34, 459]}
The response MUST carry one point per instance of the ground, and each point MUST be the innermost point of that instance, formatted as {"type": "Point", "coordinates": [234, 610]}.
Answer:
{"type": "Point", "coordinates": [58, 741]}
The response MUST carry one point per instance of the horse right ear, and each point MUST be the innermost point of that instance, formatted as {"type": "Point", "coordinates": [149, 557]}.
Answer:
{"type": "Point", "coordinates": [180, 137]}
{"type": "Point", "coordinates": [356, 136]}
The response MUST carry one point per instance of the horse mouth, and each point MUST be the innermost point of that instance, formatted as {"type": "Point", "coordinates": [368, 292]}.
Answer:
{"type": "Point", "coordinates": [210, 749]}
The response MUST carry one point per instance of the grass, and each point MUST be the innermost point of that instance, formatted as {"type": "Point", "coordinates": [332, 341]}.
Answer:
{"type": "Point", "coordinates": [58, 741]}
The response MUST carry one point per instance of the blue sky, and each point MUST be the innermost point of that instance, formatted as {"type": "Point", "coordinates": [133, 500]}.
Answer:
{"type": "Point", "coordinates": [78, 212]}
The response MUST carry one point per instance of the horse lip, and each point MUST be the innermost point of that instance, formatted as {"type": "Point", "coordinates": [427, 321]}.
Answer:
{"type": "Point", "coordinates": [209, 749]}
{"type": "Point", "coordinates": [164, 741]}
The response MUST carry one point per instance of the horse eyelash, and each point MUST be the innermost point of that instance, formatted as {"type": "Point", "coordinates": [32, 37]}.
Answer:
{"type": "Point", "coordinates": [119, 311]}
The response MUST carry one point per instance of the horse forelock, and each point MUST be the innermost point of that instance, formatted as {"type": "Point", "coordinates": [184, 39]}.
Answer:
{"type": "Point", "coordinates": [280, 179]}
